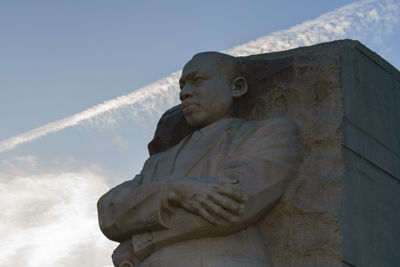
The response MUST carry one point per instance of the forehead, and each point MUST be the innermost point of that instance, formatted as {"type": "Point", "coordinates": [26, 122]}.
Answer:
{"type": "Point", "coordinates": [206, 64]}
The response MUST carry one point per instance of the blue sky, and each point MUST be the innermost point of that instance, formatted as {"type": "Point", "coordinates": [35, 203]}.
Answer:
{"type": "Point", "coordinates": [82, 84]}
{"type": "Point", "coordinates": [64, 56]}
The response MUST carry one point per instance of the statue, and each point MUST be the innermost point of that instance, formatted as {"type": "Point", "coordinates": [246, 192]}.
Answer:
{"type": "Point", "coordinates": [197, 200]}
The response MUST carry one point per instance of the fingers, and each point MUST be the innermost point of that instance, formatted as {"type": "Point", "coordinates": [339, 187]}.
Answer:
{"type": "Point", "coordinates": [200, 210]}
{"type": "Point", "coordinates": [220, 212]}
{"type": "Point", "coordinates": [218, 201]}
{"type": "Point", "coordinates": [232, 183]}
{"type": "Point", "coordinates": [213, 212]}
{"type": "Point", "coordinates": [227, 204]}
{"type": "Point", "coordinates": [211, 219]}
{"type": "Point", "coordinates": [236, 195]}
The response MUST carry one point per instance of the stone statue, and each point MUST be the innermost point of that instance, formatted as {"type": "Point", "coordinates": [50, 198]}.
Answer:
{"type": "Point", "coordinates": [197, 199]}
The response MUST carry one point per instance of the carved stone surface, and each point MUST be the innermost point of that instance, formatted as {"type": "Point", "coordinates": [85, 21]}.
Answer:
{"type": "Point", "coordinates": [201, 198]}
{"type": "Point", "coordinates": [345, 101]}
{"type": "Point", "coordinates": [303, 229]}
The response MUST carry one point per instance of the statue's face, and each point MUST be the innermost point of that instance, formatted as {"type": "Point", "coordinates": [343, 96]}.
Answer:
{"type": "Point", "coordinates": [205, 94]}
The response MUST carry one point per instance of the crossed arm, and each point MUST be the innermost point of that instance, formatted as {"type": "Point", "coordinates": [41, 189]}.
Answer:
{"type": "Point", "coordinates": [197, 202]}
{"type": "Point", "coordinates": [133, 208]}
{"type": "Point", "coordinates": [246, 186]}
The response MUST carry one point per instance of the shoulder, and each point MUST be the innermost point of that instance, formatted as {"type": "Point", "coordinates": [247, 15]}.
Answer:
{"type": "Point", "coordinates": [273, 134]}
{"type": "Point", "coordinates": [274, 139]}
{"type": "Point", "coordinates": [278, 126]}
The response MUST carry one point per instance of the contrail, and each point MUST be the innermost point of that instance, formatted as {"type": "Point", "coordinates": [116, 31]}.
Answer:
{"type": "Point", "coordinates": [359, 20]}
{"type": "Point", "coordinates": [144, 99]}
{"type": "Point", "coordinates": [363, 20]}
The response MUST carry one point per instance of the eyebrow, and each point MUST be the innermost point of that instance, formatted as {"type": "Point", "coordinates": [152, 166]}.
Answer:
{"type": "Point", "coordinates": [188, 76]}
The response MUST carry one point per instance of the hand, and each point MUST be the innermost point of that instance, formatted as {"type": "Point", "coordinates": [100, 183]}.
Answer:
{"type": "Point", "coordinates": [217, 200]}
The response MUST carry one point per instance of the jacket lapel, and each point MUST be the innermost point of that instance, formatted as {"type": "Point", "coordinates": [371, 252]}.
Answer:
{"type": "Point", "coordinates": [200, 146]}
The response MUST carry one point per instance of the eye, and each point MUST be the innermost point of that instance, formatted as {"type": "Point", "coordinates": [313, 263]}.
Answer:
{"type": "Point", "coordinates": [198, 78]}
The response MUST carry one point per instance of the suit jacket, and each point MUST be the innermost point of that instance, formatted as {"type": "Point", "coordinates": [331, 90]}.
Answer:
{"type": "Point", "coordinates": [263, 155]}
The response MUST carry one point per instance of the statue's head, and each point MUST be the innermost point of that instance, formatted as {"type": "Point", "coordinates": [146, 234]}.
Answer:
{"type": "Point", "coordinates": [214, 86]}
{"type": "Point", "coordinates": [210, 85]}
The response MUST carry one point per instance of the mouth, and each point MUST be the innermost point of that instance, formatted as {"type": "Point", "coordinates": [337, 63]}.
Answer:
{"type": "Point", "coordinates": [188, 108]}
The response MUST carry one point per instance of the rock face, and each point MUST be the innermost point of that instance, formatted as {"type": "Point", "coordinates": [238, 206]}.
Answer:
{"type": "Point", "coordinates": [344, 204]}
{"type": "Point", "coordinates": [342, 209]}
{"type": "Point", "coordinates": [303, 229]}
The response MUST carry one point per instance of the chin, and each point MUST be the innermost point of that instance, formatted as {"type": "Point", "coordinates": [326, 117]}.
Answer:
{"type": "Point", "coordinates": [193, 121]}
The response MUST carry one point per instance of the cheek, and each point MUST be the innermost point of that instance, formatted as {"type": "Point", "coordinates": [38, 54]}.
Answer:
{"type": "Point", "coordinates": [216, 95]}
{"type": "Point", "coordinates": [223, 101]}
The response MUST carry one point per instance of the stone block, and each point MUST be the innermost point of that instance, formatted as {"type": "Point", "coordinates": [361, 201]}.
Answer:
{"type": "Point", "coordinates": [343, 205]}
{"type": "Point", "coordinates": [370, 213]}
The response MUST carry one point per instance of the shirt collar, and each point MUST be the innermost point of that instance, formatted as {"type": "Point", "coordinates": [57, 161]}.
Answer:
{"type": "Point", "coordinates": [220, 124]}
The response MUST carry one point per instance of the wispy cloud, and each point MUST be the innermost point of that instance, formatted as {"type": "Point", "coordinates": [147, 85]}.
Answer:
{"type": "Point", "coordinates": [364, 20]}
{"type": "Point", "coordinates": [50, 219]}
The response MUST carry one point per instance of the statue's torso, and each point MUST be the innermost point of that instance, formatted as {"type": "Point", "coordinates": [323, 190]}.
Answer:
{"type": "Point", "coordinates": [201, 155]}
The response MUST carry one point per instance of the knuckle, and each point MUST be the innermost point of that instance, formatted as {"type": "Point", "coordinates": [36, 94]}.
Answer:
{"type": "Point", "coordinates": [234, 219]}
{"type": "Point", "coordinates": [233, 207]}
{"type": "Point", "coordinates": [201, 200]}
{"type": "Point", "coordinates": [195, 206]}
{"type": "Point", "coordinates": [217, 209]}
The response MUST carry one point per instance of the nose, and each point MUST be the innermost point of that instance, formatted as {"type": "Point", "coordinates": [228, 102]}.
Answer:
{"type": "Point", "coordinates": [185, 93]}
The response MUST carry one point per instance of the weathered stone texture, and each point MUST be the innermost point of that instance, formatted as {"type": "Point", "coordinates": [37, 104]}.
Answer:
{"type": "Point", "coordinates": [303, 229]}
{"type": "Point", "coordinates": [344, 203]}
{"type": "Point", "coordinates": [342, 209]}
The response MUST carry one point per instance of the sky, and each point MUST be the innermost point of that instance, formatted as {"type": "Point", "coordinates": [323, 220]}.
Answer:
{"type": "Point", "coordinates": [83, 83]}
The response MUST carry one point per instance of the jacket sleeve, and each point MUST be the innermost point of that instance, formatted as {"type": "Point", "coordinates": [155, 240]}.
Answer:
{"type": "Point", "coordinates": [265, 158]}
{"type": "Point", "coordinates": [131, 208]}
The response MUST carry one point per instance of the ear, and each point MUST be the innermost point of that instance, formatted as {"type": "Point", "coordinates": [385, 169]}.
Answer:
{"type": "Point", "coordinates": [239, 87]}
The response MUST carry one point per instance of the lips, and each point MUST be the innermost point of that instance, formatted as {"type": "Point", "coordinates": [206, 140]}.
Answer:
{"type": "Point", "coordinates": [188, 107]}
